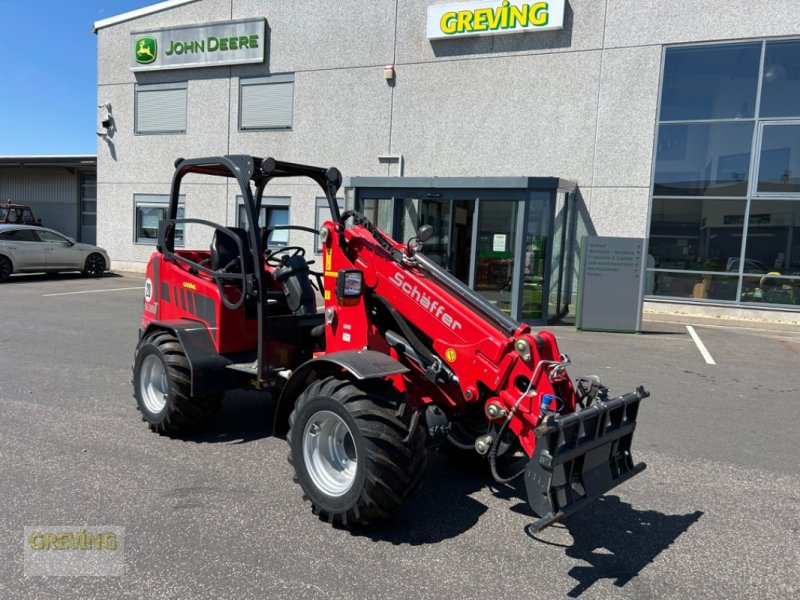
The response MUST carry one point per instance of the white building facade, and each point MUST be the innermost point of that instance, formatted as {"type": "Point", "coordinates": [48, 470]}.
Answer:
{"type": "Point", "coordinates": [677, 122]}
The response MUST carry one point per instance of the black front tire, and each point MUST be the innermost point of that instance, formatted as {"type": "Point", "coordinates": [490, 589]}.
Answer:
{"type": "Point", "coordinates": [162, 387]}
{"type": "Point", "coordinates": [5, 269]}
{"type": "Point", "coordinates": [94, 266]}
{"type": "Point", "coordinates": [383, 443]}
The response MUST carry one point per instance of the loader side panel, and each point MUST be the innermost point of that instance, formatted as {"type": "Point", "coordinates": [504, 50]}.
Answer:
{"type": "Point", "coordinates": [177, 293]}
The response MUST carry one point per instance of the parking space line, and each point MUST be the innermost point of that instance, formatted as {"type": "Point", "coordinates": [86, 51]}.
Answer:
{"type": "Point", "coordinates": [700, 346]}
{"type": "Point", "coordinates": [140, 287]}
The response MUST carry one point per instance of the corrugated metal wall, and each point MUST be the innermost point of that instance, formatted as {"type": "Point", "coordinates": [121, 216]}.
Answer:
{"type": "Point", "coordinates": [52, 194]}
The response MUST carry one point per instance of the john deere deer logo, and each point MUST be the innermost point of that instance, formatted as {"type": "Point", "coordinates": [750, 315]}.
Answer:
{"type": "Point", "coordinates": [145, 50]}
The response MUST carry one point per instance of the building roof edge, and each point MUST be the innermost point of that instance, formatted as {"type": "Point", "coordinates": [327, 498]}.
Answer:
{"type": "Point", "coordinates": [53, 160]}
{"type": "Point", "coordinates": [139, 12]}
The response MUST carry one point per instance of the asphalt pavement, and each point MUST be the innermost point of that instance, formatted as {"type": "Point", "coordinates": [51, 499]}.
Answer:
{"type": "Point", "coordinates": [715, 515]}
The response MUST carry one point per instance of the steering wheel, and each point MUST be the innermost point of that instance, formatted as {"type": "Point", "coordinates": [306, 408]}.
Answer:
{"type": "Point", "coordinates": [271, 255]}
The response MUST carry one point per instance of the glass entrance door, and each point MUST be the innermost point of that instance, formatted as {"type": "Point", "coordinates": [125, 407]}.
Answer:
{"type": "Point", "coordinates": [486, 265]}
{"type": "Point", "coordinates": [462, 224]}
{"type": "Point", "coordinates": [451, 245]}
{"type": "Point", "coordinates": [493, 234]}
{"type": "Point", "coordinates": [495, 261]}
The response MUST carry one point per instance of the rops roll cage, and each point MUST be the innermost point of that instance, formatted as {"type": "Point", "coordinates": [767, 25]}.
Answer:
{"type": "Point", "coordinates": [244, 169]}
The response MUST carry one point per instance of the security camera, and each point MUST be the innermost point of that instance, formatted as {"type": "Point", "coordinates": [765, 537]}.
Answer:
{"type": "Point", "coordinates": [106, 105]}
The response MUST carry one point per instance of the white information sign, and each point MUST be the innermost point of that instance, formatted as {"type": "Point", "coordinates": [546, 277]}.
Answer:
{"type": "Point", "coordinates": [610, 285]}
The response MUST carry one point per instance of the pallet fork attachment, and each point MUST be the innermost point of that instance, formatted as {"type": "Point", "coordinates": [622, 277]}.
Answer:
{"type": "Point", "coordinates": [581, 456]}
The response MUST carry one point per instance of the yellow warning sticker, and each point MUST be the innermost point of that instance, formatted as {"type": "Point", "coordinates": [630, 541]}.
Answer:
{"type": "Point", "coordinates": [328, 253]}
{"type": "Point", "coordinates": [450, 355]}
{"type": "Point", "coordinates": [327, 295]}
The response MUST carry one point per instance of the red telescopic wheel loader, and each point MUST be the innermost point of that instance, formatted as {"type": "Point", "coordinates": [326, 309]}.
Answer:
{"type": "Point", "coordinates": [401, 358]}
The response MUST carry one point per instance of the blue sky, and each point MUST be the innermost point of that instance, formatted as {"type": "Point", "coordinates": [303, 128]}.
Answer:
{"type": "Point", "coordinates": [48, 74]}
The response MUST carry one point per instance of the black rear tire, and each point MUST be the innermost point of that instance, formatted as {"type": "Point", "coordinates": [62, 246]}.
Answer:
{"type": "Point", "coordinates": [94, 266]}
{"type": "Point", "coordinates": [5, 269]}
{"type": "Point", "coordinates": [162, 387]}
{"type": "Point", "coordinates": [385, 446]}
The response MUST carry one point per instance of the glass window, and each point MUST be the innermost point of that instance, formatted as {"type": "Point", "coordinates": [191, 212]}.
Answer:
{"type": "Point", "coordinates": [323, 214]}
{"type": "Point", "coordinates": [703, 159]}
{"type": "Point", "coordinates": [753, 243]}
{"type": "Point", "coordinates": [161, 108]}
{"type": "Point", "coordinates": [149, 210]}
{"type": "Point", "coordinates": [88, 214]}
{"type": "Point", "coordinates": [241, 218]}
{"type": "Point", "coordinates": [20, 235]}
{"type": "Point", "coordinates": [379, 212]}
{"type": "Point", "coordinates": [436, 213]}
{"type": "Point", "coordinates": [773, 238]}
{"type": "Point", "coordinates": [698, 286]}
{"type": "Point", "coordinates": [88, 186]}
{"type": "Point", "coordinates": [710, 82]}
{"type": "Point", "coordinates": [277, 216]}
{"type": "Point", "coordinates": [780, 94]}
{"type": "Point", "coordinates": [266, 102]}
{"type": "Point", "coordinates": [696, 235]}
{"type": "Point", "coordinates": [51, 237]}
{"type": "Point", "coordinates": [88, 233]}
{"type": "Point", "coordinates": [274, 212]}
{"type": "Point", "coordinates": [771, 288]}
{"type": "Point", "coordinates": [779, 161]}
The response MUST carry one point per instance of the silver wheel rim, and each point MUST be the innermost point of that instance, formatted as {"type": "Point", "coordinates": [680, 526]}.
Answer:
{"type": "Point", "coordinates": [153, 385]}
{"type": "Point", "coordinates": [329, 453]}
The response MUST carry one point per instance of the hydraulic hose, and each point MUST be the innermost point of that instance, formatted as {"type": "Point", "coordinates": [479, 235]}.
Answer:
{"type": "Point", "coordinates": [494, 448]}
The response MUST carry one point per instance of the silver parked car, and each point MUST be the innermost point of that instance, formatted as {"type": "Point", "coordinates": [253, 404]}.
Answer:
{"type": "Point", "coordinates": [31, 249]}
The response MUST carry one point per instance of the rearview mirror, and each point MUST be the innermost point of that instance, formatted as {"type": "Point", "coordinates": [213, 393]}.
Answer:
{"type": "Point", "coordinates": [414, 244]}
{"type": "Point", "coordinates": [424, 233]}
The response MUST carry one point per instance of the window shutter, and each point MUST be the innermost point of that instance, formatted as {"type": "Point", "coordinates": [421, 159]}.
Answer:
{"type": "Point", "coordinates": [161, 110]}
{"type": "Point", "coordinates": [266, 105]}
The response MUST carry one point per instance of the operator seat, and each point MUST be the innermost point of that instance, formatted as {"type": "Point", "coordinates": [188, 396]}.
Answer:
{"type": "Point", "coordinates": [225, 251]}
{"type": "Point", "coordinates": [225, 258]}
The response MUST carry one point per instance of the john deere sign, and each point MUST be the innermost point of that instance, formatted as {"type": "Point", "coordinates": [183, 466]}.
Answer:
{"type": "Point", "coordinates": [209, 45]}
{"type": "Point", "coordinates": [146, 49]}
{"type": "Point", "coordinates": [465, 19]}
